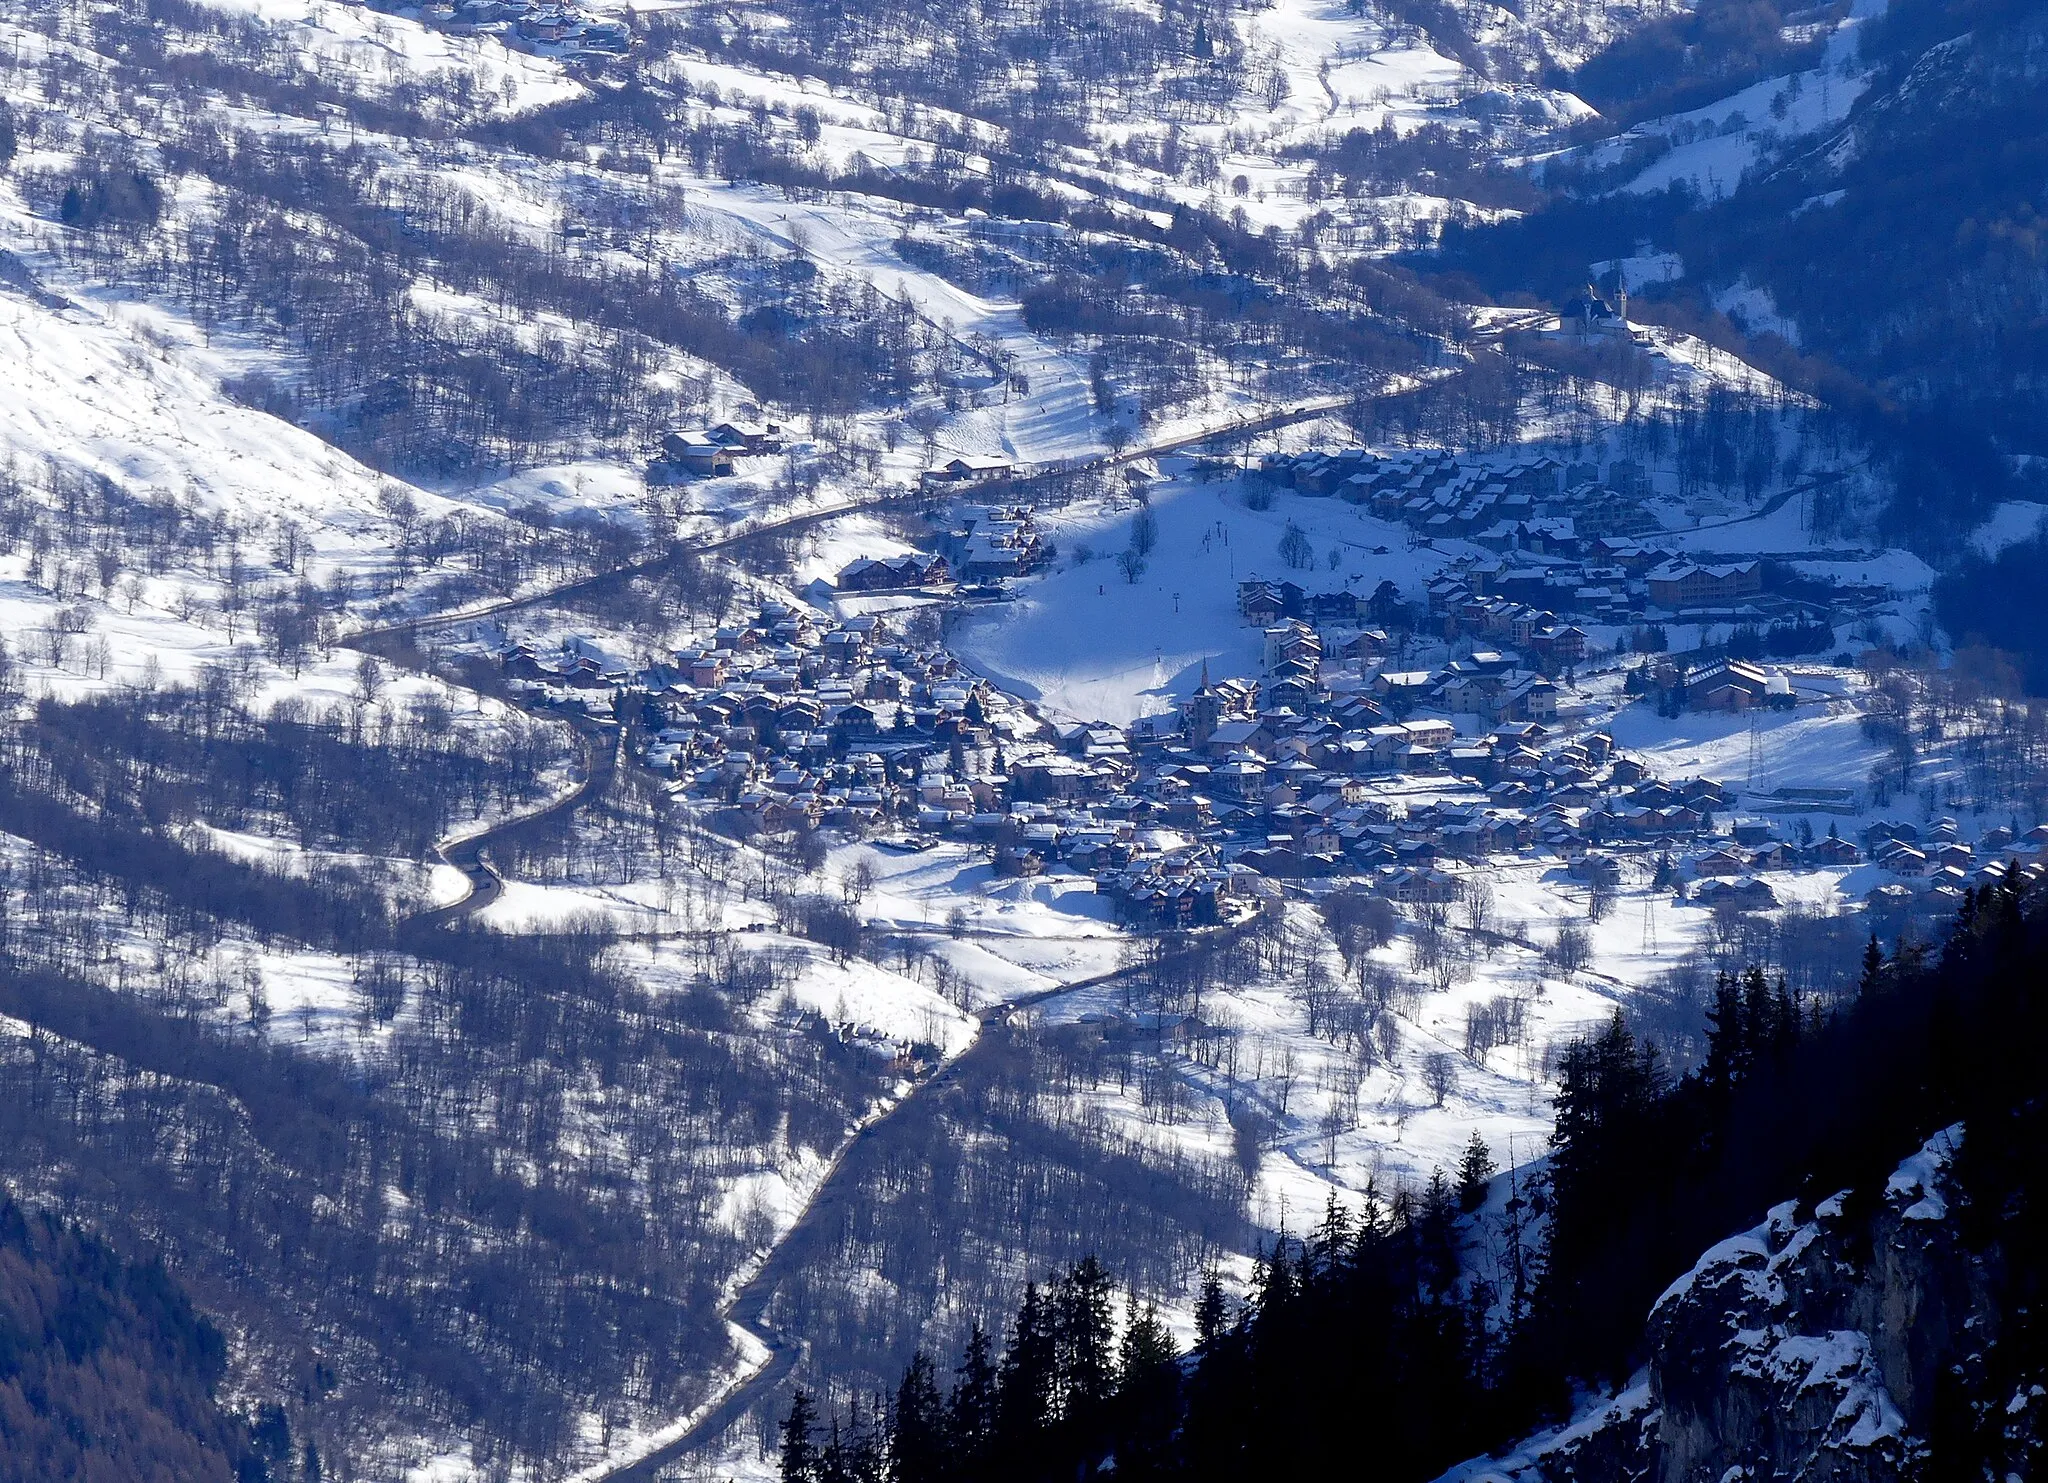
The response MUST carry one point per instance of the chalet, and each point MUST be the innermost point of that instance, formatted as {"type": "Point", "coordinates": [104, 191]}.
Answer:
{"type": "Point", "coordinates": [693, 453]}
{"type": "Point", "coordinates": [1531, 698]}
{"type": "Point", "coordinates": [1726, 685]}
{"type": "Point", "coordinates": [1686, 584]}
{"type": "Point", "coordinates": [1341, 606]}
{"type": "Point", "coordinates": [1262, 606]}
{"type": "Point", "coordinates": [1240, 736]}
{"type": "Point", "coordinates": [1902, 860]}
{"type": "Point", "coordinates": [749, 437]}
{"type": "Point", "coordinates": [1832, 851]}
{"type": "Point", "coordinates": [1365, 646]}
{"type": "Point", "coordinates": [969, 469]}
{"type": "Point", "coordinates": [1560, 644]}
{"type": "Point", "coordinates": [1736, 895]}
{"type": "Point", "coordinates": [1401, 690]}
{"type": "Point", "coordinates": [1412, 885]}
{"type": "Point", "coordinates": [876, 574]}
{"type": "Point", "coordinates": [1293, 640]}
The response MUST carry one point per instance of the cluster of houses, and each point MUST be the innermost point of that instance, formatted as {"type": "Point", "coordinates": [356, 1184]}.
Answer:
{"type": "Point", "coordinates": [532, 23]}
{"type": "Point", "coordinates": [792, 720]}
{"type": "Point", "coordinates": [1602, 581]}
{"type": "Point", "coordinates": [1352, 675]}
{"type": "Point", "coordinates": [1559, 546]}
{"type": "Point", "coordinates": [710, 453]}
{"type": "Point", "coordinates": [986, 544]}
{"type": "Point", "coordinates": [1937, 855]}
{"type": "Point", "coordinates": [1930, 867]}
{"type": "Point", "coordinates": [1510, 503]}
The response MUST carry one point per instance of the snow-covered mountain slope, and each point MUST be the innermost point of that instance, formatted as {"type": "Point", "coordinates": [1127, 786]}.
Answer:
{"type": "Point", "coordinates": [1807, 1347]}
{"type": "Point", "coordinates": [1858, 204]}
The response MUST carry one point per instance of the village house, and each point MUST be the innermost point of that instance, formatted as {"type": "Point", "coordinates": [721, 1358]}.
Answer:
{"type": "Point", "coordinates": [1685, 584]}
{"type": "Point", "coordinates": [968, 469]}
{"type": "Point", "coordinates": [884, 573]}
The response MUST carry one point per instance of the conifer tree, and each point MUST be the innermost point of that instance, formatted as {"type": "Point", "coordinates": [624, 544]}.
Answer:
{"type": "Point", "coordinates": [1438, 1230]}
{"type": "Point", "coordinates": [1474, 1171]}
{"type": "Point", "coordinates": [971, 1408]}
{"type": "Point", "coordinates": [1332, 1237]}
{"type": "Point", "coordinates": [1145, 1346]}
{"type": "Point", "coordinates": [1372, 1223]}
{"type": "Point", "coordinates": [1084, 1327]}
{"type": "Point", "coordinates": [1726, 1036]}
{"type": "Point", "coordinates": [1784, 1019]}
{"type": "Point", "coordinates": [1029, 1378]}
{"type": "Point", "coordinates": [1210, 1310]}
{"type": "Point", "coordinates": [1759, 1017]}
{"type": "Point", "coordinates": [1148, 1394]}
{"type": "Point", "coordinates": [917, 1431]}
{"type": "Point", "coordinates": [1275, 1279]}
{"type": "Point", "coordinates": [866, 1447]}
{"type": "Point", "coordinates": [800, 1462]}
{"type": "Point", "coordinates": [832, 1459]}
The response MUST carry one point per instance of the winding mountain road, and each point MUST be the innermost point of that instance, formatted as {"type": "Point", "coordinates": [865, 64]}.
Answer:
{"type": "Point", "coordinates": [749, 1307]}
{"type": "Point", "coordinates": [469, 853]}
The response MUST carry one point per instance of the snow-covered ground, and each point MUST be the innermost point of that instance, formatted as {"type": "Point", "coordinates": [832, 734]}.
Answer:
{"type": "Point", "coordinates": [1089, 644]}
{"type": "Point", "coordinates": [1712, 147]}
{"type": "Point", "coordinates": [125, 389]}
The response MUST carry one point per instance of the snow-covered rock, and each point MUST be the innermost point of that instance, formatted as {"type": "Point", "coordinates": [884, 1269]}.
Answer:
{"type": "Point", "coordinates": [1799, 1349]}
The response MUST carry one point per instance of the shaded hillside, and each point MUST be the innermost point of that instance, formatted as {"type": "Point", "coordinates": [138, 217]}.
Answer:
{"type": "Point", "coordinates": [1684, 60]}
{"type": "Point", "coordinates": [1906, 248]}
{"type": "Point", "coordinates": [106, 1372]}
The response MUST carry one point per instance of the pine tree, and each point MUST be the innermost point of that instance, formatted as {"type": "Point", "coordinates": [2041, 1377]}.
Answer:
{"type": "Point", "coordinates": [1474, 1172]}
{"type": "Point", "coordinates": [833, 1463]}
{"type": "Point", "coordinates": [1148, 1394]}
{"type": "Point", "coordinates": [971, 1408]}
{"type": "Point", "coordinates": [1332, 1237]}
{"type": "Point", "coordinates": [1210, 1310]}
{"type": "Point", "coordinates": [1027, 1387]}
{"type": "Point", "coordinates": [1873, 968]}
{"type": "Point", "coordinates": [1437, 1229]}
{"type": "Point", "coordinates": [1607, 1130]}
{"type": "Point", "coordinates": [1759, 1017]}
{"type": "Point", "coordinates": [1607, 1088]}
{"type": "Point", "coordinates": [918, 1445]}
{"type": "Point", "coordinates": [1145, 1347]}
{"type": "Point", "coordinates": [1274, 1279]}
{"type": "Point", "coordinates": [1784, 1019]}
{"type": "Point", "coordinates": [1373, 1226]}
{"type": "Point", "coordinates": [800, 1462]}
{"type": "Point", "coordinates": [1437, 1206]}
{"type": "Point", "coordinates": [1085, 1326]}
{"type": "Point", "coordinates": [1727, 1039]}
{"type": "Point", "coordinates": [866, 1453]}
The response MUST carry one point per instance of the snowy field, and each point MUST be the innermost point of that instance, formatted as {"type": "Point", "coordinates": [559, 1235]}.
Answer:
{"type": "Point", "coordinates": [1087, 644]}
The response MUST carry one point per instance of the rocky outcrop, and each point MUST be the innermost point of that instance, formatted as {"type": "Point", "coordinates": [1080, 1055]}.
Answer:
{"type": "Point", "coordinates": [1802, 1349]}
{"type": "Point", "coordinates": [1809, 1349]}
